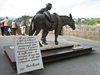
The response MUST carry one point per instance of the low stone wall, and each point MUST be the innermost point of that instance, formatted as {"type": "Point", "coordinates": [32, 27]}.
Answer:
{"type": "Point", "coordinates": [84, 31]}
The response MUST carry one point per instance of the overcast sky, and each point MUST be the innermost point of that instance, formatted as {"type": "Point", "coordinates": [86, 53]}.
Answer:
{"type": "Point", "coordinates": [78, 8]}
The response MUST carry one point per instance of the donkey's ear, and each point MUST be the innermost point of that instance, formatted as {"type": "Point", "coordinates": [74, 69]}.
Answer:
{"type": "Point", "coordinates": [70, 15]}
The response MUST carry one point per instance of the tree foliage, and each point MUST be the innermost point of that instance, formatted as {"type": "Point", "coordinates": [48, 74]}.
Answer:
{"type": "Point", "coordinates": [78, 21]}
{"type": "Point", "coordinates": [18, 20]}
{"type": "Point", "coordinates": [87, 21]}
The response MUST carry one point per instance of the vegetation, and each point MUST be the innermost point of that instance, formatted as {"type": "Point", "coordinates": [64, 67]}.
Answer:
{"type": "Point", "coordinates": [78, 21]}
{"type": "Point", "coordinates": [87, 21]}
{"type": "Point", "coordinates": [18, 20]}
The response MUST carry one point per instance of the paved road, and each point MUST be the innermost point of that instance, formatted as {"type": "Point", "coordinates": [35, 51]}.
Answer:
{"type": "Point", "coordinates": [83, 65]}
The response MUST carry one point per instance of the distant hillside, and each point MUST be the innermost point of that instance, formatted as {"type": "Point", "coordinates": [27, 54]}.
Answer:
{"type": "Point", "coordinates": [10, 18]}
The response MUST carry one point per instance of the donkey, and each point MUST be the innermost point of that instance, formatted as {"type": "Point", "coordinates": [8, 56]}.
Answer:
{"type": "Point", "coordinates": [40, 21]}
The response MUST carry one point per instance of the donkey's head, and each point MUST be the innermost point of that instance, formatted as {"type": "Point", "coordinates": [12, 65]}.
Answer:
{"type": "Point", "coordinates": [68, 20]}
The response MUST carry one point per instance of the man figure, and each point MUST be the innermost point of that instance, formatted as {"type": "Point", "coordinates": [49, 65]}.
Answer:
{"type": "Point", "coordinates": [14, 27]}
{"type": "Point", "coordinates": [46, 12]}
{"type": "Point", "coordinates": [23, 26]}
{"type": "Point", "coordinates": [2, 27]}
{"type": "Point", "coordinates": [6, 26]}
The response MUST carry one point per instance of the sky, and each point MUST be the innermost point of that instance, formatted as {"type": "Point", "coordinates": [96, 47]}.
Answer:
{"type": "Point", "coordinates": [78, 8]}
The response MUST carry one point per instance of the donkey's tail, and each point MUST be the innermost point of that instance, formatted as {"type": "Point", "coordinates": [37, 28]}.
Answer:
{"type": "Point", "coordinates": [31, 27]}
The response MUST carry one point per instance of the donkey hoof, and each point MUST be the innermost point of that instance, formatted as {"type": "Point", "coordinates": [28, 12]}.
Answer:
{"type": "Point", "coordinates": [56, 43]}
{"type": "Point", "coordinates": [44, 43]}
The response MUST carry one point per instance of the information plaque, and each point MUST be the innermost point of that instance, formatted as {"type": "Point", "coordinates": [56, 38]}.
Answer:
{"type": "Point", "coordinates": [28, 54]}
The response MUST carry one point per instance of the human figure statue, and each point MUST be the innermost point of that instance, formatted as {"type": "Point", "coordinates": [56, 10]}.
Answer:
{"type": "Point", "coordinates": [46, 12]}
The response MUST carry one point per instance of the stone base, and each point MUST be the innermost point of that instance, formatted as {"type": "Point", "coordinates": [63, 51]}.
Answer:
{"type": "Point", "coordinates": [50, 52]}
{"type": "Point", "coordinates": [62, 43]}
{"type": "Point", "coordinates": [51, 55]}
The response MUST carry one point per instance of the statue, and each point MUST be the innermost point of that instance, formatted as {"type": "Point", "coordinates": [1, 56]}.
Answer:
{"type": "Point", "coordinates": [45, 11]}
{"type": "Point", "coordinates": [49, 22]}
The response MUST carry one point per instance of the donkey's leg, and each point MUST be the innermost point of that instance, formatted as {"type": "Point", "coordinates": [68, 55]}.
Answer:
{"type": "Point", "coordinates": [32, 32]}
{"type": "Point", "coordinates": [57, 31]}
{"type": "Point", "coordinates": [56, 36]}
{"type": "Point", "coordinates": [37, 31]}
{"type": "Point", "coordinates": [43, 38]}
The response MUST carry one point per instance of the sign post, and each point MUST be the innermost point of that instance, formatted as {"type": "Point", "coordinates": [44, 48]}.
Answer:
{"type": "Point", "coordinates": [28, 54]}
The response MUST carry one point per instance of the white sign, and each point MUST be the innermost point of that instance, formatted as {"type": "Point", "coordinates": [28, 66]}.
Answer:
{"type": "Point", "coordinates": [28, 54]}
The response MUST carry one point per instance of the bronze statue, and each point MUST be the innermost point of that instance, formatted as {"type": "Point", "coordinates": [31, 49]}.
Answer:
{"type": "Point", "coordinates": [40, 22]}
{"type": "Point", "coordinates": [48, 22]}
{"type": "Point", "coordinates": [46, 12]}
